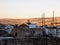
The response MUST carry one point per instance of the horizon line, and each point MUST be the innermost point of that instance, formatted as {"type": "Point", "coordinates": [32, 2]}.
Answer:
{"type": "Point", "coordinates": [28, 18]}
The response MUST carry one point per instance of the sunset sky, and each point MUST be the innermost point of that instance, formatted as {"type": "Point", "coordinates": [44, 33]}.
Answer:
{"type": "Point", "coordinates": [29, 8]}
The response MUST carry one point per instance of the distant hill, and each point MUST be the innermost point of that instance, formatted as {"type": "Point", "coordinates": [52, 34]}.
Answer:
{"type": "Point", "coordinates": [37, 21]}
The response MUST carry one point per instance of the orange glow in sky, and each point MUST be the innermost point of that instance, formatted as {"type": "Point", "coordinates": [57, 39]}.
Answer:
{"type": "Point", "coordinates": [29, 8]}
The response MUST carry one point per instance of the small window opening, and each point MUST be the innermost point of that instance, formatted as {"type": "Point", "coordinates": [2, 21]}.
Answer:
{"type": "Point", "coordinates": [15, 33]}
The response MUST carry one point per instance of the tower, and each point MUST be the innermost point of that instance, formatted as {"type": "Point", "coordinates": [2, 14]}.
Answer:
{"type": "Point", "coordinates": [53, 18]}
{"type": "Point", "coordinates": [43, 19]}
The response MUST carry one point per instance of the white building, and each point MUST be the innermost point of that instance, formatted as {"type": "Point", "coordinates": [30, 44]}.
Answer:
{"type": "Point", "coordinates": [30, 25]}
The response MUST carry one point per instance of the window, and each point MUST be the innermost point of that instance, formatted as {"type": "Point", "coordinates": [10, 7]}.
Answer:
{"type": "Point", "coordinates": [15, 33]}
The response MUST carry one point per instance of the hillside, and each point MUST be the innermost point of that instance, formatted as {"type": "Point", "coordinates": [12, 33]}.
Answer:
{"type": "Point", "coordinates": [38, 21]}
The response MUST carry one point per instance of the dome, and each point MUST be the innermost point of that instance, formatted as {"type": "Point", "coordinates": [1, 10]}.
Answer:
{"type": "Point", "coordinates": [23, 25]}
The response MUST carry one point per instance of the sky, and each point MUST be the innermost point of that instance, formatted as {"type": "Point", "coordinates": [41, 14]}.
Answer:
{"type": "Point", "coordinates": [29, 8]}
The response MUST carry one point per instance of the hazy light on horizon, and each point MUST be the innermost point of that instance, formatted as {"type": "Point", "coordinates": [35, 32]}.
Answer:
{"type": "Point", "coordinates": [29, 8]}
